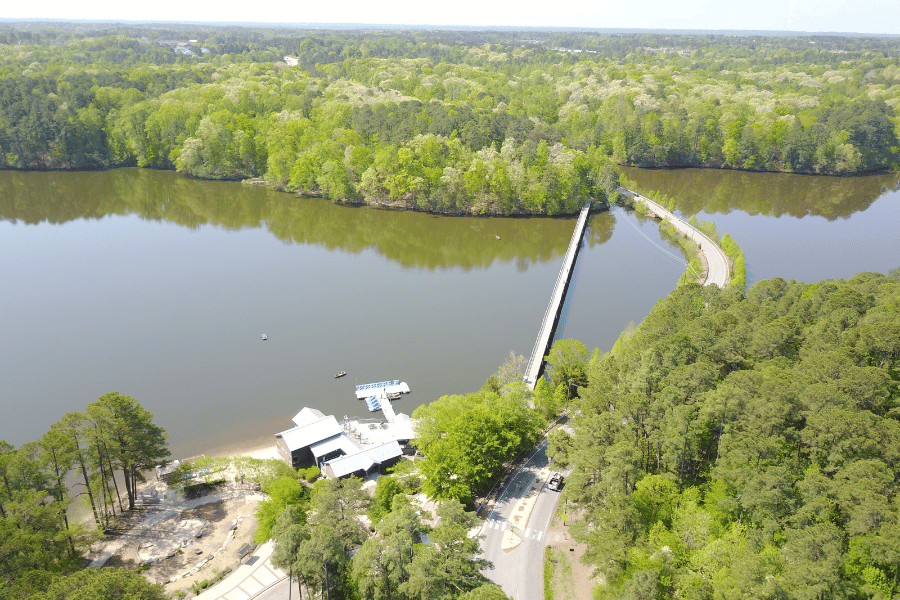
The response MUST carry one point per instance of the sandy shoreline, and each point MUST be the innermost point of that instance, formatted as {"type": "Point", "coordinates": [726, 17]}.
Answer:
{"type": "Point", "coordinates": [258, 447]}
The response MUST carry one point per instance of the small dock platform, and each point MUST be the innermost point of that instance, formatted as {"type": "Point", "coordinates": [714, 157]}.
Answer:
{"type": "Point", "coordinates": [392, 389]}
{"type": "Point", "coordinates": [378, 396]}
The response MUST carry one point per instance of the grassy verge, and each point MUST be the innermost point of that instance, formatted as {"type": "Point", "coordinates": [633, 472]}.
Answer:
{"type": "Point", "coordinates": [548, 572]}
{"type": "Point", "coordinates": [199, 586]}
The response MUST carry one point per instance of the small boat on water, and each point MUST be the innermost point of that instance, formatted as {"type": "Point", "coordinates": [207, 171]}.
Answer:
{"type": "Point", "coordinates": [339, 375]}
{"type": "Point", "coordinates": [264, 337]}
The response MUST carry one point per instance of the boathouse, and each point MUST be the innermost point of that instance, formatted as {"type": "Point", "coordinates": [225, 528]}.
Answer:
{"type": "Point", "coordinates": [319, 439]}
{"type": "Point", "coordinates": [316, 438]}
{"type": "Point", "coordinates": [365, 462]}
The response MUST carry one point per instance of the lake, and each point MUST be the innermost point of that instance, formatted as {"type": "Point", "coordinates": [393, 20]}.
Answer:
{"type": "Point", "coordinates": [159, 286]}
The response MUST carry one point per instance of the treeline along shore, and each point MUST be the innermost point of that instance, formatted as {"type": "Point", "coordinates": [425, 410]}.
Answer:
{"type": "Point", "coordinates": [512, 122]}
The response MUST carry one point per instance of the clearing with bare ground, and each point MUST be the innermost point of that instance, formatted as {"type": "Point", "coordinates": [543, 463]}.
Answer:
{"type": "Point", "coordinates": [180, 541]}
{"type": "Point", "coordinates": [570, 579]}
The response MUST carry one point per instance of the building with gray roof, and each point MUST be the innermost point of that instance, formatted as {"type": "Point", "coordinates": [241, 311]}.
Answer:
{"type": "Point", "coordinates": [365, 462]}
{"type": "Point", "coordinates": [319, 439]}
{"type": "Point", "coordinates": [294, 444]}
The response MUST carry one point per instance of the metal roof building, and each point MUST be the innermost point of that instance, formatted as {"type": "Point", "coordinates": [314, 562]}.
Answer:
{"type": "Point", "coordinates": [364, 462]}
{"type": "Point", "coordinates": [333, 447]}
{"type": "Point", "coordinates": [294, 444]}
{"type": "Point", "coordinates": [321, 440]}
{"type": "Point", "coordinates": [307, 416]}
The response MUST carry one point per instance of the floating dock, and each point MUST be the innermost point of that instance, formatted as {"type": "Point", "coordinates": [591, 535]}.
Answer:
{"type": "Point", "coordinates": [392, 389]}
{"type": "Point", "coordinates": [378, 396]}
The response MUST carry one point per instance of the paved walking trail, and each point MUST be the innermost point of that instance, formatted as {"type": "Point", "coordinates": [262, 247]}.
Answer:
{"type": "Point", "coordinates": [718, 271]}
{"type": "Point", "coordinates": [249, 580]}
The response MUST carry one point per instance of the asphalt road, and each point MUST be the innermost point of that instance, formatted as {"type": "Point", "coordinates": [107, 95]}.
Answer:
{"type": "Point", "coordinates": [520, 570]}
{"type": "Point", "coordinates": [279, 591]}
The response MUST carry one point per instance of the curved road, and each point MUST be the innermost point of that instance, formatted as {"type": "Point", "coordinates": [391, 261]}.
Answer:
{"type": "Point", "coordinates": [718, 271]}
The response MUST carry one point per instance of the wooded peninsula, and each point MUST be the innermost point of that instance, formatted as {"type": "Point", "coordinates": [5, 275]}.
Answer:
{"type": "Point", "coordinates": [483, 122]}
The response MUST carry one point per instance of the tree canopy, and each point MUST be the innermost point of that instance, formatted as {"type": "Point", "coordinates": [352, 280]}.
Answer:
{"type": "Point", "coordinates": [462, 122]}
{"type": "Point", "coordinates": [114, 442]}
{"type": "Point", "coordinates": [466, 439]}
{"type": "Point", "coordinates": [745, 445]}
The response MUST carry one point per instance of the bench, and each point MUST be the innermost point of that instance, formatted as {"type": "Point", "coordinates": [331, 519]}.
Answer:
{"type": "Point", "coordinates": [244, 551]}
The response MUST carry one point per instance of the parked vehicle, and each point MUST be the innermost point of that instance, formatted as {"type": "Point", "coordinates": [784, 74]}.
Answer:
{"type": "Point", "coordinates": [556, 481]}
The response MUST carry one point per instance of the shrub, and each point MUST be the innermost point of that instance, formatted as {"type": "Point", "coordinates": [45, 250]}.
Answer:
{"type": "Point", "coordinates": [310, 474]}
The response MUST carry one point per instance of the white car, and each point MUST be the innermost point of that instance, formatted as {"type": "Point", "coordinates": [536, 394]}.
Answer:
{"type": "Point", "coordinates": [556, 481]}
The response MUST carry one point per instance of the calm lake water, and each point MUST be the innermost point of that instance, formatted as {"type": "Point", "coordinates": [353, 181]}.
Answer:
{"type": "Point", "coordinates": [792, 226]}
{"type": "Point", "coordinates": [159, 286]}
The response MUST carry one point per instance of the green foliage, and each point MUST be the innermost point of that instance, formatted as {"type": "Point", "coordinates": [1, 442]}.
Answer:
{"type": "Point", "coordinates": [448, 122]}
{"type": "Point", "coordinates": [87, 584]}
{"type": "Point", "coordinates": [449, 566]}
{"type": "Point", "coordinates": [567, 365]}
{"type": "Point", "coordinates": [265, 471]}
{"type": "Point", "coordinates": [197, 472]}
{"type": "Point", "coordinates": [548, 572]}
{"type": "Point", "coordinates": [309, 474]}
{"type": "Point", "coordinates": [738, 264]}
{"type": "Point", "coordinates": [319, 553]}
{"type": "Point", "coordinates": [202, 584]}
{"type": "Point", "coordinates": [202, 488]}
{"type": "Point", "coordinates": [466, 439]}
{"type": "Point", "coordinates": [382, 565]}
{"type": "Point", "coordinates": [129, 439]}
{"type": "Point", "coordinates": [744, 445]}
{"type": "Point", "coordinates": [547, 400]}
{"type": "Point", "coordinates": [283, 492]}
{"type": "Point", "coordinates": [36, 531]}
{"type": "Point", "coordinates": [383, 498]}
{"type": "Point", "coordinates": [488, 591]}
{"type": "Point", "coordinates": [653, 498]}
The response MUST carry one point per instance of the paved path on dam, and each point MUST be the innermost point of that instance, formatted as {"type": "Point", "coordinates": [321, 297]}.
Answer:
{"type": "Point", "coordinates": [718, 270]}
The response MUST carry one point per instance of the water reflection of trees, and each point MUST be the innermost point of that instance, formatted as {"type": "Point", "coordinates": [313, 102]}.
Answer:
{"type": "Point", "coordinates": [770, 194]}
{"type": "Point", "coordinates": [600, 228]}
{"type": "Point", "coordinates": [412, 239]}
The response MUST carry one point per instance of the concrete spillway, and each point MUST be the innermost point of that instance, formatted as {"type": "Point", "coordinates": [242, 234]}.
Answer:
{"type": "Point", "coordinates": [551, 317]}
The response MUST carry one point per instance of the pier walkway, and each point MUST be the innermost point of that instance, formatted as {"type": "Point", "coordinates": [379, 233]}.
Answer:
{"type": "Point", "coordinates": [718, 269]}
{"type": "Point", "coordinates": [551, 316]}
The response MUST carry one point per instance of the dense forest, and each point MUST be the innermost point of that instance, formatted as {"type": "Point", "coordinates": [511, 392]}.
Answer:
{"type": "Point", "coordinates": [449, 121]}
{"type": "Point", "coordinates": [745, 445]}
